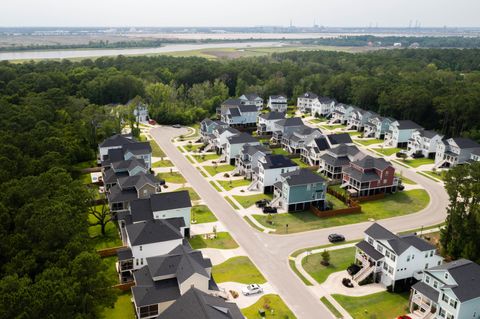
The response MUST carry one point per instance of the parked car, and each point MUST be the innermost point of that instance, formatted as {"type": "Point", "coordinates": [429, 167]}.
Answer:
{"type": "Point", "coordinates": [417, 155]}
{"type": "Point", "coordinates": [252, 290]}
{"type": "Point", "coordinates": [262, 203]}
{"type": "Point", "coordinates": [401, 187]}
{"type": "Point", "coordinates": [335, 238]}
{"type": "Point", "coordinates": [269, 210]}
{"type": "Point", "coordinates": [176, 126]}
{"type": "Point", "coordinates": [402, 154]}
{"type": "Point", "coordinates": [152, 122]}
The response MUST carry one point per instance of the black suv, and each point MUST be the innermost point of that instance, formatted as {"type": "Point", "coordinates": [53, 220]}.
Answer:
{"type": "Point", "coordinates": [262, 203]}
{"type": "Point", "coordinates": [269, 210]}
{"type": "Point", "coordinates": [335, 238]}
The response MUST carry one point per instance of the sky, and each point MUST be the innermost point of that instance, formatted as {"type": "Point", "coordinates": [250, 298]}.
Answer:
{"type": "Point", "coordinates": [161, 13]}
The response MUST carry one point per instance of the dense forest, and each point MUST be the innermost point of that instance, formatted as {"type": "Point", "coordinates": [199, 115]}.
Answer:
{"type": "Point", "coordinates": [52, 115]}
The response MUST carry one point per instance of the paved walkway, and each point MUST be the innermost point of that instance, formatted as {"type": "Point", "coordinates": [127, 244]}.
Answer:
{"type": "Point", "coordinates": [245, 301]}
{"type": "Point", "coordinates": [218, 256]}
{"type": "Point", "coordinates": [206, 228]}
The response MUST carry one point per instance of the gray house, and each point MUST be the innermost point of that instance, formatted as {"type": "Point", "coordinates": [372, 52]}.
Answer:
{"type": "Point", "coordinates": [298, 190]}
{"type": "Point", "coordinates": [455, 151]}
{"type": "Point", "coordinates": [247, 161]}
{"type": "Point", "coordinates": [285, 126]}
{"type": "Point", "coordinates": [336, 158]}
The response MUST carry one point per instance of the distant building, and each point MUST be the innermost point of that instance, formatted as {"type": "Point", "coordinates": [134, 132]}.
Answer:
{"type": "Point", "coordinates": [277, 103]}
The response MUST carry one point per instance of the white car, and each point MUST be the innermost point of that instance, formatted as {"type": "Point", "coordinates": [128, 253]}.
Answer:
{"type": "Point", "coordinates": [252, 290]}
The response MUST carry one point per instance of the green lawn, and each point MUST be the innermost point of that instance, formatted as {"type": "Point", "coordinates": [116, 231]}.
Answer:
{"type": "Point", "coordinates": [215, 186]}
{"type": "Point", "coordinates": [401, 203]}
{"type": "Point", "coordinates": [203, 214]}
{"type": "Point", "coordinates": [353, 134]}
{"type": "Point", "coordinates": [238, 269]}
{"type": "Point", "coordinates": [438, 175]}
{"type": "Point", "coordinates": [85, 178]}
{"type": "Point", "coordinates": [416, 162]}
{"type": "Point", "coordinates": [229, 185]}
{"type": "Point", "coordinates": [173, 177]}
{"type": "Point", "coordinates": [193, 194]}
{"type": "Point", "coordinates": [206, 157]}
{"type": "Point", "coordinates": [387, 151]}
{"type": "Point", "coordinates": [339, 260]}
{"type": "Point", "coordinates": [378, 305]}
{"type": "Point", "coordinates": [332, 127]}
{"type": "Point", "coordinates": [369, 141]}
{"type": "Point", "coordinates": [214, 170]}
{"type": "Point", "coordinates": [318, 120]}
{"type": "Point", "coordinates": [164, 163]}
{"type": "Point", "coordinates": [231, 202]}
{"type": "Point", "coordinates": [272, 302]}
{"type": "Point", "coordinates": [223, 241]}
{"type": "Point", "coordinates": [300, 163]}
{"type": "Point", "coordinates": [247, 201]}
{"type": "Point", "coordinates": [112, 274]}
{"type": "Point", "coordinates": [111, 237]}
{"type": "Point", "coordinates": [337, 204]}
{"type": "Point", "coordinates": [331, 307]}
{"type": "Point", "coordinates": [123, 308]}
{"type": "Point", "coordinates": [279, 151]}
{"type": "Point", "coordinates": [194, 148]}
{"type": "Point", "coordinates": [406, 180]}
{"type": "Point", "coordinates": [180, 149]}
{"type": "Point", "coordinates": [156, 150]}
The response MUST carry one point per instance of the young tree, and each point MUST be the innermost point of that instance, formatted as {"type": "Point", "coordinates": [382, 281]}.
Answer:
{"type": "Point", "coordinates": [325, 258]}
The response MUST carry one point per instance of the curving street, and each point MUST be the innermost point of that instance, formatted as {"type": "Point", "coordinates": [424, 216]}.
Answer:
{"type": "Point", "coordinates": [270, 252]}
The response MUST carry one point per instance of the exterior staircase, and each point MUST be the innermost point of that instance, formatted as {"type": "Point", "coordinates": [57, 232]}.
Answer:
{"type": "Point", "coordinates": [364, 272]}
{"type": "Point", "coordinates": [439, 164]}
{"type": "Point", "coordinates": [275, 201]}
{"type": "Point", "coordinates": [253, 186]}
{"type": "Point", "coordinates": [208, 147]}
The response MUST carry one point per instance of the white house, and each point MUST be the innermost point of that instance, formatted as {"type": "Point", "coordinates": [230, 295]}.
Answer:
{"type": "Point", "coordinates": [141, 113]}
{"type": "Point", "coordinates": [252, 99]}
{"type": "Point", "coordinates": [454, 151]}
{"type": "Point", "coordinates": [220, 135]}
{"type": "Point", "coordinates": [277, 103]}
{"type": "Point", "coordinates": [475, 156]}
{"type": "Point", "coordinates": [247, 160]}
{"type": "Point", "coordinates": [268, 172]}
{"type": "Point", "coordinates": [113, 142]}
{"type": "Point", "coordinates": [306, 101]}
{"type": "Point", "coordinates": [377, 126]}
{"type": "Point", "coordinates": [235, 143]}
{"type": "Point", "coordinates": [324, 107]}
{"type": "Point", "coordinates": [295, 140]}
{"type": "Point", "coordinates": [240, 116]}
{"type": "Point", "coordinates": [400, 132]}
{"type": "Point", "coordinates": [266, 122]}
{"type": "Point", "coordinates": [448, 291]}
{"type": "Point", "coordinates": [207, 126]}
{"type": "Point", "coordinates": [121, 169]}
{"type": "Point", "coordinates": [285, 126]}
{"type": "Point", "coordinates": [424, 143]}
{"type": "Point", "coordinates": [339, 114]}
{"type": "Point", "coordinates": [393, 259]}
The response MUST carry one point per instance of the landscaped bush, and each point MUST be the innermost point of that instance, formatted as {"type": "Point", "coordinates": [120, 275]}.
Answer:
{"type": "Point", "coordinates": [234, 294]}
{"type": "Point", "coordinates": [366, 281]}
{"type": "Point", "coordinates": [226, 175]}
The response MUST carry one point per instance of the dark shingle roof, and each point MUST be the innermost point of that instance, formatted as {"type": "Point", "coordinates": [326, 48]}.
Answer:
{"type": "Point", "coordinates": [277, 161]}
{"type": "Point", "coordinates": [361, 176]}
{"type": "Point", "coordinates": [372, 162]}
{"type": "Point", "coordinates": [342, 138]}
{"type": "Point", "coordinates": [153, 231]}
{"type": "Point", "coordinates": [137, 148]}
{"type": "Point", "coordinates": [128, 164]}
{"type": "Point", "coordinates": [418, 243]}
{"type": "Point", "coordinates": [466, 274]}
{"type": "Point", "coordinates": [170, 200]}
{"type": "Point", "coordinates": [324, 99]}
{"type": "Point", "coordinates": [273, 115]}
{"type": "Point", "coordinates": [377, 231]}
{"type": "Point", "coordinates": [124, 253]}
{"type": "Point", "coordinates": [344, 150]}
{"type": "Point", "coordinates": [117, 195]}
{"type": "Point", "coordinates": [251, 96]}
{"type": "Point", "coordinates": [427, 291]}
{"type": "Point", "coordinates": [242, 138]}
{"type": "Point", "coordinates": [252, 149]}
{"type": "Point", "coordinates": [116, 140]}
{"type": "Point", "coordinates": [200, 305]}
{"type": "Point", "coordinates": [148, 292]}
{"type": "Point", "coordinates": [291, 121]}
{"type": "Point", "coordinates": [301, 177]}
{"type": "Point", "coordinates": [248, 108]}
{"type": "Point", "coordinates": [408, 125]}
{"type": "Point", "coordinates": [369, 250]}
{"type": "Point", "coordinates": [277, 97]}
{"type": "Point", "coordinates": [234, 111]}
{"type": "Point", "coordinates": [335, 161]}
{"type": "Point", "coordinates": [428, 134]}
{"type": "Point", "coordinates": [232, 102]}
{"type": "Point", "coordinates": [309, 95]}
{"type": "Point", "coordinates": [463, 142]}
{"type": "Point", "coordinates": [138, 181]}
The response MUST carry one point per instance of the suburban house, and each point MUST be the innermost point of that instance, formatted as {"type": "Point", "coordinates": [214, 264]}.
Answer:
{"type": "Point", "coordinates": [448, 291]}
{"type": "Point", "coordinates": [369, 176]}
{"type": "Point", "coordinates": [424, 143]}
{"type": "Point", "coordinates": [121, 169]}
{"type": "Point", "coordinates": [475, 156]}
{"type": "Point", "coordinates": [339, 114]}
{"type": "Point", "coordinates": [314, 148]}
{"type": "Point", "coordinates": [235, 143]}
{"type": "Point", "coordinates": [219, 139]}
{"type": "Point", "coordinates": [113, 142]}
{"type": "Point", "coordinates": [306, 101]}
{"type": "Point", "coordinates": [393, 260]}
{"type": "Point", "coordinates": [285, 126]}
{"type": "Point", "coordinates": [231, 102]}
{"type": "Point", "coordinates": [240, 116]}
{"type": "Point", "coordinates": [197, 304]}
{"type": "Point", "coordinates": [294, 141]}
{"type": "Point", "coordinates": [166, 277]}
{"type": "Point", "coordinates": [139, 150]}
{"type": "Point", "coordinates": [268, 172]}
{"type": "Point", "coordinates": [324, 107]}
{"type": "Point", "coordinates": [277, 103]}
{"type": "Point", "coordinates": [377, 126]}
{"type": "Point", "coordinates": [161, 206]}
{"type": "Point", "coordinates": [400, 132]}
{"type": "Point", "coordinates": [335, 158]}
{"type": "Point", "coordinates": [266, 122]}
{"type": "Point", "coordinates": [252, 99]}
{"type": "Point", "coordinates": [130, 188]}
{"type": "Point", "coordinates": [299, 190]}
{"type": "Point", "coordinates": [337, 139]}
{"type": "Point", "coordinates": [247, 160]}
{"type": "Point", "coordinates": [207, 126]}
{"type": "Point", "coordinates": [455, 151]}
{"type": "Point", "coordinates": [358, 119]}
{"type": "Point", "coordinates": [141, 113]}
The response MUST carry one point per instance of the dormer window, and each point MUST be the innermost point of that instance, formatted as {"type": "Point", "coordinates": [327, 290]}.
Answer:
{"type": "Point", "coordinates": [446, 275]}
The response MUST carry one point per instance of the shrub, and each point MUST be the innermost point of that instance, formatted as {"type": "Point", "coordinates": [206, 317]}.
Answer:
{"type": "Point", "coordinates": [234, 294]}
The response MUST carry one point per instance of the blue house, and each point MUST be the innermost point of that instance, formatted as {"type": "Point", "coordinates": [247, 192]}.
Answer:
{"type": "Point", "coordinates": [299, 190]}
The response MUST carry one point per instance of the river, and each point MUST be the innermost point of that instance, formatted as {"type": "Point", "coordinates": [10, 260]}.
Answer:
{"type": "Point", "coordinates": [89, 53]}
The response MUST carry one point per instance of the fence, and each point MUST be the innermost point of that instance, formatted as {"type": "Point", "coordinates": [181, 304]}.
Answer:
{"type": "Point", "coordinates": [371, 197]}
{"type": "Point", "coordinates": [107, 252]}
{"type": "Point", "coordinates": [337, 212]}
{"type": "Point", "coordinates": [125, 286]}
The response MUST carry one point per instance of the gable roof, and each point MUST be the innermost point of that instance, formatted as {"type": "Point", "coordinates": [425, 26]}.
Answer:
{"type": "Point", "coordinates": [273, 115]}
{"type": "Point", "coordinates": [377, 231]}
{"type": "Point", "coordinates": [291, 121]}
{"type": "Point", "coordinates": [148, 292]}
{"type": "Point", "coordinates": [245, 108]}
{"type": "Point", "coordinates": [372, 162]}
{"type": "Point", "coordinates": [252, 149]}
{"type": "Point", "coordinates": [276, 161]}
{"type": "Point", "coordinates": [342, 138]}
{"type": "Point", "coordinates": [137, 148]}
{"type": "Point", "coordinates": [116, 140]}
{"type": "Point", "coordinates": [301, 177]}
{"type": "Point", "coordinates": [154, 231]}
{"type": "Point", "coordinates": [128, 164]}
{"type": "Point", "coordinates": [138, 181]}
{"type": "Point", "coordinates": [142, 209]}
{"type": "Point", "coordinates": [277, 97]}
{"type": "Point", "coordinates": [242, 138]}
{"type": "Point", "coordinates": [463, 142]}
{"type": "Point", "coordinates": [232, 102]}
{"type": "Point", "coordinates": [200, 305]}
{"type": "Point", "coordinates": [408, 125]}
{"type": "Point", "coordinates": [324, 99]}
{"type": "Point", "coordinates": [309, 95]}
{"type": "Point", "coordinates": [251, 96]}
{"type": "Point", "coordinates": [429, 133]}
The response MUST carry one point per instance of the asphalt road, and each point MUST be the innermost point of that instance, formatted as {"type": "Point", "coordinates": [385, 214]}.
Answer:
{"type": "Point", "coordinates": [270, 252]}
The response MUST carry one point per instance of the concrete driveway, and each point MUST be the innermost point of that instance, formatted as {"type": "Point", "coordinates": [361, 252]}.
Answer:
{"type": "Point", "coordinates": [270, 252]}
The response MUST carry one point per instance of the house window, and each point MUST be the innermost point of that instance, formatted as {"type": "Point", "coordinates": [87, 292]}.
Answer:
{"type": "Point", "coordinates": [445, 298]}
{"type": "Point", "coordinates": [426, 265]}
{"type": "Point", "coordinates": [441, 312]}
{"type": "Point", "coordinates": [141, 248]}
{"type": "Point", "coordinates": [426, 254]}
{"type": "Point", "coordinates": [136, 262]}
{"type": "Point", "coordinates": [435, 284]}
{"type": "Point", "coordinates": [446, 275]}
{"type": "Point", "coordinates": [431, 253]}
{"type": "Point", "coordinates": [149, 311]}
{"type": "Point", "coordinates": [427, 279]}
{"type": "Point", "coordinates": [408, 258]}
{"type": "Point", "coordinates": [453, 303]}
